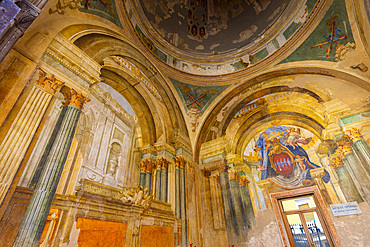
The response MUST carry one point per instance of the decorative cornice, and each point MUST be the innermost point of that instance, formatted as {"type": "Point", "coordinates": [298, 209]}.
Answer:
{"type": "Point", "coordinates": [50, 84]}
{"type": "Point", "coordinates": [133, 72]}
{"type": "Point", "coordinates": [148, 149]}
{"type": "Point", "coordinates": [72, 57]}
{"type": "Point", "coordinates": [181, 141]}
{"type": "Point", "coordinates": [165, 148]}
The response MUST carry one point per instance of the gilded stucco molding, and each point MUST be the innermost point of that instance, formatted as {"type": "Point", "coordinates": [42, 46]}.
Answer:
{"type": "Point", "coordinates": [72, 57]}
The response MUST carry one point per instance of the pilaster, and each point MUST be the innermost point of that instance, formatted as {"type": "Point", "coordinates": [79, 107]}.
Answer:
{"type": "Point", "coordinates": [21, 132]}
{"type": "Point", "coordinates": [37, 211]}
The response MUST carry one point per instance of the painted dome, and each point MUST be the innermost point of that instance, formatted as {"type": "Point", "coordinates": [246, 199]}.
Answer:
{"type": "Point", "coordinates": [215, 36]}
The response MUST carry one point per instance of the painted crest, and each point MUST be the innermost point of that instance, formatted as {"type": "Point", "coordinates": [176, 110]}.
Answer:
{"type": "Point", "coordinates": [281, 159]}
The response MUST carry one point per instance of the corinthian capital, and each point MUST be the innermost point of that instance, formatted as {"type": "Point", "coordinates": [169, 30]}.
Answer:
{"type": "Point", "coordinates": [77, 99]}
{"type": "Point", "coordinates": [50, 84]}
{"type": "Point", "coordinates": [354, 134]}
{"type": "Point", "coordinates": [179, 162]}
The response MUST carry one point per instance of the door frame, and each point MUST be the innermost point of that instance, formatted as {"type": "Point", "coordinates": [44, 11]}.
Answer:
{"type": "Point", "coordinates": [320, 208]}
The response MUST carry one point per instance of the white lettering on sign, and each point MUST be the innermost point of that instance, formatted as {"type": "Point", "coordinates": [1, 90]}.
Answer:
{"type": "Point", "coordinates": [343, 209]}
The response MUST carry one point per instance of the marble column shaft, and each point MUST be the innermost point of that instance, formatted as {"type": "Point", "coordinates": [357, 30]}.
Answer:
{"type": "Point", "coordinates": [231, 224]}
{"type": "Point", "coordinates": [347, 185]}
{"type": "Point", "coordinates": [359, 175]}
{"type": "Point", "coordinates": [239, 210]}
{"type": "Point", "coordinates": [362, 151]}
{"type": "Point", "coordinates": [183, 208]}
{"type": "Point", "coordinates": [142, 179]}
{"type": "Point", "coordinates": [164, 186]}
{"type": "Point", "coordinates": [148, 181]}
{"type": "Point", "coordinates": [244, 190]}
{"type": "Point", "coordinates": [158, 184]}
{"type": "Point", "coordinates": [48, 147]}
{"type": "Point", "coordinates": [37, 211]}
{"type": "Point", "coordinates": [16, 142]}
{"type": "Point", "coordinates": [177, 193]}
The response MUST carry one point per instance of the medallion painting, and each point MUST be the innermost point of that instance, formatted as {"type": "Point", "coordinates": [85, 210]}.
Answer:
{"type": "Point", "coordinates": [283, 158]}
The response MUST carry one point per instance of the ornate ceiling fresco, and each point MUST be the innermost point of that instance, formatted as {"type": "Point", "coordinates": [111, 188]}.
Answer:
{"type": "Point", "coordinates": [213, 37]}
{"type": "Point", "coordinates": [212, 27]}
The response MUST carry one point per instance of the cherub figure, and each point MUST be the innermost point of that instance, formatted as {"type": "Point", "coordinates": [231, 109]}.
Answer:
{"type": "Point", "coordinates": [300, 160]}
{"type": "Point", "coordinates": [293, 137]}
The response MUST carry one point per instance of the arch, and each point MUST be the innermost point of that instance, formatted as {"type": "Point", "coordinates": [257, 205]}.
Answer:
{"type": "Point", "coordinates": [101, 46]}
{"type": "Point", "coordinates": [262, 84]}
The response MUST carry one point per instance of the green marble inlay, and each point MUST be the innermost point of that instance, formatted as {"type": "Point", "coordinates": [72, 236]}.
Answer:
{"type": "Point", "coordinates": [64, 70]}
{"type": "Point", "coordinates": [199, 96]}
{"type": "Point", "coordinates": [260, 55]}
{"type": "Point", "coordinates": [149, 156]}
{"type": "Point", "coordinates": [354, 118]}
{"type": "Point", "coordinates": [184, 152]}
{"type": "Point", "coordinates": [318, 36]}
{"type": "Point", "coordinates": [213, 158]}
{"type": "Point", "coordinates": [310, 4]}
{"type": "Point", "coordinates": [160, 55]}
{"type": "Point", "coordinates": [291, 29]}
{"type": "Point", "coordinates": [238, 66]}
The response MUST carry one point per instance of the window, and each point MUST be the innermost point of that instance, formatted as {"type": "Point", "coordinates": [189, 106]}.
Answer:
{"type": "Point", "coordinates": [302, 217]}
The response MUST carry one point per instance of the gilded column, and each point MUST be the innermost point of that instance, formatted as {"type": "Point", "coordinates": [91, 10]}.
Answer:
{"type": "Point", "coordinates": [21, 132]}
{"type": "Point", "coordinates": [244, 189]}
{"type": "Point", "coordinates": [347, 185]}
{"type": "Point", "coordinates": [37, 211]}
{"type": "Point", "coordinates": [360, 148]}
{"type": "Point", "coordinates": [356, 170]}
{"type": "Point", "coordinates": [164, 186]}
{"type": "Point", "coordinates": [177, 185]}
{"type": "Point", "coordinates": [148, 177]}
{"type": "Point", "coordinates": [231, 224]}
{"type": "Point", "coordinates": [158, 177]}
{"type": "Point", "coordinates": [238, 207]}
{"type": "Point", "coordinates": [142, 173]}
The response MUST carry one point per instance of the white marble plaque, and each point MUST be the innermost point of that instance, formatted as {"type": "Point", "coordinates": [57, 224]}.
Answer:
{"type": "Point", "coordinates": [343, 209]}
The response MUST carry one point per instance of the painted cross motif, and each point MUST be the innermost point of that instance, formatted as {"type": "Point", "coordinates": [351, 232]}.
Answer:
{"type": "Point", "coordinates": [194, 99]}
{"type": "Point", "coordinates": [333, 37]}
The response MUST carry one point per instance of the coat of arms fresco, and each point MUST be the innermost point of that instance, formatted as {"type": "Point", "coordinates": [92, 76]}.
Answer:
{"type": "Point", "coordinates": [283, 160]}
